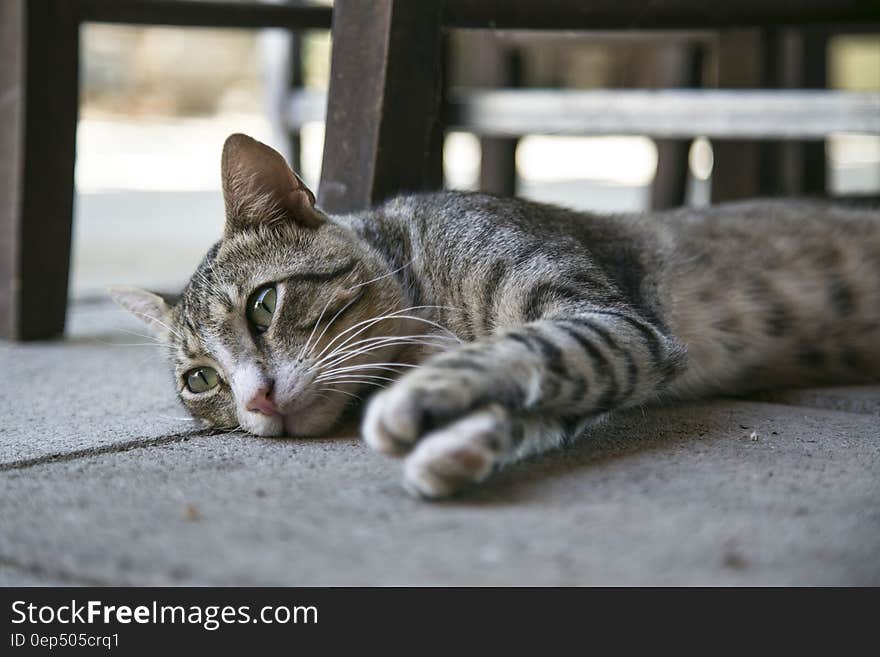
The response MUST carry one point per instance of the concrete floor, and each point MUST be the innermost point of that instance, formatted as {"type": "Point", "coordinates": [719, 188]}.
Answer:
{"type": "Point", "coordinates": [104, 481]}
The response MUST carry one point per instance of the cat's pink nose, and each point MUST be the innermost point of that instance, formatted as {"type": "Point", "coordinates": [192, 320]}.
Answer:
{"type": "Point", "coordinates": [262, 402]}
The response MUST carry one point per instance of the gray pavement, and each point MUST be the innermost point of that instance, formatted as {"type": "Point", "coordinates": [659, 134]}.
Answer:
{"type": "Point", "coordinates": [93, 391]}
{"type": "Point", "coordinates": [104, 481]}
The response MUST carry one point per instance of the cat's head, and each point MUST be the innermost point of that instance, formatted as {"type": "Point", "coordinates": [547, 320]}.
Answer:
{"type": "Point", "coordinates": [273, 331]}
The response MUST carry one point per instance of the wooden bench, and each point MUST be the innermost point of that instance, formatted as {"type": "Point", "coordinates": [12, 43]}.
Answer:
{"type": "Point", "coordinates": [384, 111]}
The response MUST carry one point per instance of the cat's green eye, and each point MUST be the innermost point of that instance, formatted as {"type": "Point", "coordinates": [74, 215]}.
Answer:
{"type": "Point", "coordinates": [201, 379]}
{"type": "Point", "coordinates": [261, 307]}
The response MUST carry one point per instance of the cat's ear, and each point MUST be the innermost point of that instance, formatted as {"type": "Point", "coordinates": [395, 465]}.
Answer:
{"type": "Point", "coordinates": [150, 308]}
{"type": "Point", "coordinates": [259, 188]}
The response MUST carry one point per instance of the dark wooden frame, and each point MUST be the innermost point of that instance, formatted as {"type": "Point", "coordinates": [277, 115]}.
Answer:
{"type": "Point", "coordinates": [39, 91]}
{"type": "Point", "coordinates": [383, 107]}
{"type": "Point", "coordinates": [38, 113]}
{"type": "Point", "coordinates": [378, 101]}
{"type": "Point", "coordinates": [571, 15]}
{"type": "Point", "coordinates": [367, 157]}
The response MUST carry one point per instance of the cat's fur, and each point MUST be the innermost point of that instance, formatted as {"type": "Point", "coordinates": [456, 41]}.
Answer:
{"type": "Point", "coordinates": [562, 316]}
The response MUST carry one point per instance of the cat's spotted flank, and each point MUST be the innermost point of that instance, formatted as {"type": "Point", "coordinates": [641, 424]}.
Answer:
{"type": "Point", "coordinates": [491, 329]}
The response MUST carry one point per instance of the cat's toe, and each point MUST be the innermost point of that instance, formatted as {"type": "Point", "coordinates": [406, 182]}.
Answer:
{"type": "Point", "coordinates": [387, 425]}
{"type": "Point", "coordinates": [398, 417]}
{"type": "Point", "coordinates": [462, 454]}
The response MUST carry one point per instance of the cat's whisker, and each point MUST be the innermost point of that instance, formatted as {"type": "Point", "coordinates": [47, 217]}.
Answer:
{"type": "Point", "coordinates": [348, 353]}
{"type": "Point", "coordinates": [406, 336]}
{"type": "Point", "coordinates": [391, 371]}
{"type": "Point", "coordinates": [160, 323]}
{"type": "Point", "coordinates": [330, 323]}
{"type": "Point", "coordinates": [379, 341]}
{"type": "Point", "coordinates": [153, 341]}
{"type": "Point", "coordinates": [210, 286]}
{"type": "Point", "coordinates": [362, 382]}
{"type": "Point", "coordinates": [384, 315]}
{"type": "Point", "coordinates": [307, 345]}
{"type": "Point", "coordinates": [347, 356]}
{"type": "Point", "coordinates": [336, 316]}
{"type": "Point", "coordinates": [152, 338]}
{"type": "Point", "coordinates": [343, 392]}
{"type": "Point", "coordinates": [363, 376]}
{"type": "Point", "coordinates": [153, 345]}
{"type": "Point", "coordinates": [314, 328]}
{"type": "Point", "coordinates": [388, 367]}
{"type": "Point", "coordinates": [431, 323]}
{"type": "Point", "coordinates": [386, 275]}
{"type": "Point", "coordinates": [367, 323]}
{"type": "Point", "coordinates": [328, 326]}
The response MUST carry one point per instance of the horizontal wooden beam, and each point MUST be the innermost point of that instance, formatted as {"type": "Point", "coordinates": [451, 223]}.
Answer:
{"type": "Point", "coordinates": [541, 38]}
{"type": "Point", "coordinates": [680, 113]}
{"type": "Point", "coordinates": [205, 13]}
{"type": "Point", "coordinates": [556, 15]}
{"type": "Point", "coordinates": [658, 14]}
{"type": "Point", "coordinates": [721, 114]}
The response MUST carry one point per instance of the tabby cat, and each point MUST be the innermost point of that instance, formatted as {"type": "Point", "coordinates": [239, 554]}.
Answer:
{"type": "Point", "coordinates": [500, 328]}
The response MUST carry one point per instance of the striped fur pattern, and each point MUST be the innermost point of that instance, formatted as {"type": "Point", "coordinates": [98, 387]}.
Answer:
{"type": "Point", "coordinates": [527, 322]}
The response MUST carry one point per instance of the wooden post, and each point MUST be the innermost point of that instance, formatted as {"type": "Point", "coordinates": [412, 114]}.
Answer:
{"type": "Point", "coordinates": [736, 172]}
{"type": "Point", "coordinates": [795, 59]}
{"type": "Point", "coordinates": [814, 72]}
{"type": "Point", "coordinates": [490, 64]}
{"type": "Point", "coordinates": [434, 173]}
{"type": "Point", "coordinates": [294, 83]}
{"type": "Point", "coordinates": [780, 160]}
{"type": "Point", "coordinates": [39, 52]}
{"type": "Point", "coordinates": [383, 103]}
{"type": "Point", "coordinates": [675, 65]}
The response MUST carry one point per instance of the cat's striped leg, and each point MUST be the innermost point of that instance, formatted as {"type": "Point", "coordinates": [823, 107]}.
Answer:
{"type": "Point", "coordinates": [579, 365]}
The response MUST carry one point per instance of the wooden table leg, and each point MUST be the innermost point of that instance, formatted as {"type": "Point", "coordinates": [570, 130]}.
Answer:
{"type": "Point", "coordinates": [296, 81]}
{"type": "Point", "coordinates": [491, 64]}
{"type": "Point", "coordinates": [677, 65]}
{"type": "Point", "coordinates": [812, 53]}
{"type": "Point", "coordinates": [795, 59]}
{"type": "Point", "coordinates": [39, 51]}
{"type": "Point", "coordinates": [736, 172]}
{"type": "Point", "coordinates": [383, 102]}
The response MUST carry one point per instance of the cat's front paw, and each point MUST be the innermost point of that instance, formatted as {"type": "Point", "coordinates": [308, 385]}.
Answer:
{"type": "Point", "coordinates": [437, 418]}
{"type": "Point", "coordinates": [397, 418]}
{"type": "Point", "coordinates": [461, 454]}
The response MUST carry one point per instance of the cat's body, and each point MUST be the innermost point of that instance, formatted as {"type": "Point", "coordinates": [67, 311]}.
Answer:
{"type": "Point", "coordinates": [562, 316]}
{"type": "Point", "coordinates": [761, 293]}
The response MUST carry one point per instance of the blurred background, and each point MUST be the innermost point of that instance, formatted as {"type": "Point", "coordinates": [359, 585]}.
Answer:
{"type": "Point", "coordinates": [157, 103]}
